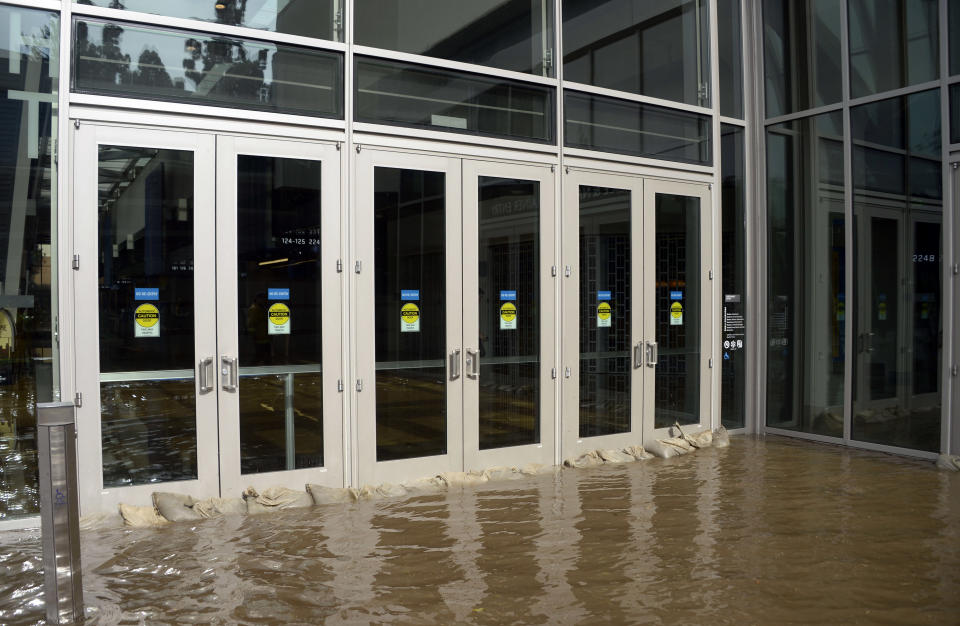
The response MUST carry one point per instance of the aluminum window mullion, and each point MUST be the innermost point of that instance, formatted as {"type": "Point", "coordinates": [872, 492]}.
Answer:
{"type": "Point", "coordinates": [948, 229]}
{"type": "Point", "coordinates": [850, 303]}
{"type": "Point", "coordinates": [635, 97]}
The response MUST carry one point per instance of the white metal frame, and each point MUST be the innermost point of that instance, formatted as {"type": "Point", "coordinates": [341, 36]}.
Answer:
{"type": "Point", "coordinates": [94, 497]}
{"type": "Point", "coordinates": [331, 473]}
{"type": "Point", "coordinates": [542, 452]}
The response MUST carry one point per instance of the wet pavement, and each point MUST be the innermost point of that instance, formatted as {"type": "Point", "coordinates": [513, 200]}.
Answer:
{"type": "Point", "coordinates": [765, 531]}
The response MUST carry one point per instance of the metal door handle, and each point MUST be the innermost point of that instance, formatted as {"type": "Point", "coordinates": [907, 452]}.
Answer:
{"type": "Point", "coordinates": [638, 354]}
{"type": "Point", "coordinates": [455, 364]}
{"type": "Point", "coordinates": [205, 370]}
{"type": "Point", "coordinates": [473, 358]}
{"type": "Point", "coordinates": [228, 373]}
{"type": "Point", "coordinates": [653, 354]}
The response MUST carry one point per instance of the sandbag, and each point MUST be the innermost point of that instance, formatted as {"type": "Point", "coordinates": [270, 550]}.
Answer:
{"type": "Point", "coordinates": [668, 448]}
{"type": "Point", "coordinates": [328, 495]}
{"type": "Point", "coordinates": [275, 499]}
{"type": "Point", "coordinates": [949, 462]}
{"type": "Point", "coordinates": [215, 507]}
{"type": "Point", "coordinates": [721, 438]}
{"type": "Point", "coordinates": [462, 479]}
{"type": "Point", "coordinates": [502, 473]}
{"type": "Point", "coordinates": [638, 453]}
{"type": "Point", "coordinates": [425, 485]}
{"type": "Point", "coordinates": [589, 459]}
{"type": "Point", "coordinates": [615, 456]}
{"type": "Point", "coordinates": [176, 507]}
{"type": "Point", "coordinates": [141, 516]}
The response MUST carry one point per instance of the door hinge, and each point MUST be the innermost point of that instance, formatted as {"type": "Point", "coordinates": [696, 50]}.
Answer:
{"type": "Point", "coordinates": [356, 267]}
{"type": "Point", "coordinates": [56, 151]}
{"type": "Point", "coordinates": [339, 384]}
{"type": "Point", "coordinates": [553, 372]}
{"type": "Point", "coordinates": [710, 362]}
{"type": "Point", "coordinates": [76, 124]}
{"type": "Point", "coordinates": [956, 268]}
{"type": "Point", "coordinates": [955, 369]}
{"type": "Point", "coordinates": [76, 261]}
{"type": "Point", "coordinates": [566, 372]}
{"type": "Point", "coordinates": [339, 266]}
{"type": "Point", "coordinates": [359, 384]}
{"type": "Point", "coordinates": [56, 328]}
{"type": "Point", "coordinates": [78, 399]}
{"type": "Point", "coordinates": [338, 23]}
{"type": "Point", "coordinates": [702, 91]}
{"type": "Point", "coordinates": [553, 270]}
{"type": "Point", "coordinates": [567, 271]}
{"type": "Point", "coordinates": [547, 61]}
{"type": "Point", "coordinates": [710, 273]}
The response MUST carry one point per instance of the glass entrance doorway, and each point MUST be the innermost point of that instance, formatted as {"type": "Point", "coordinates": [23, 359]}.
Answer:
{"type": "Point", "coordinates": [454, 341]}
{"type": "Point", "coordinates": [205, 268]}
{"type": "Point", "coordinates": [637, 310]}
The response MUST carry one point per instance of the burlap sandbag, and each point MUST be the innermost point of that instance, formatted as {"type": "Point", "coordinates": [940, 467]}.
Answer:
{"type": "Point", "coordinates": [176, 507]}
{"type": "Point", "coordinates": [141, 516]}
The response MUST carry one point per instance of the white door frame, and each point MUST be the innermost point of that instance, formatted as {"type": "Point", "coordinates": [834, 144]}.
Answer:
{"type": "Point", "coordinates": [332, 472]}
{"type": "Point", "coordinates": [542, 452]}
{"type": "Point", "coordinates": [372, 472]}
{"type": "Point", "coordinates": [709, 306]}
{"type": "Point", "coordinates": [93, 496]}
{"type": "Point", "coordinates": [571, 442]}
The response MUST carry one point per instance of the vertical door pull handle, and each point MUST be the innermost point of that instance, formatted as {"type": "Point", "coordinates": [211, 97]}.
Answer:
{"type": "Point", "coordinates": [455, 364]}
{"type": "Point", "coordinates": [473, 359]}
{"type": "Point", "coordinates": [653, 354]}
{"type": "Point", "coordinates": [205, 372]}
{"type": "Point", "coordinates": [228, 373]}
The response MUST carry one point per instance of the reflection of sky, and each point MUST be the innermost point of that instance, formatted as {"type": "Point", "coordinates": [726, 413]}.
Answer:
{"type": "Point", "coordinates": [171, 49]}
{"type": "Point", "coordinates": [261, 14]}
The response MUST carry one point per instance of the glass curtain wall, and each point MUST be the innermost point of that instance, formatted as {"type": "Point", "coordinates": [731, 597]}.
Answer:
{"type": "Point", "coordinates": [730, 43]}
{"type": "Point", "coordinates": [734, 338]}
{"type": "Point", "coordinates": [806, 291]}
{"type": "Point", "coordinates": [29, 64]}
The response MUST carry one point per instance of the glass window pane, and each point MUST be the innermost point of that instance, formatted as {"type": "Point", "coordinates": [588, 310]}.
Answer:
{"type": "Point", "coordinates": [29, 81]}
{"type": "Point", "coordinates": [625, 127]}
{"type": "Point", "coordinates": [955, 113]}
{"type": "Point", "coordinates": [658, 49]}
{"type": "Point", "coordinates": [605, 289]}
{"type": "Point", "coordinates": [120, 59]}
{"type": "Point", "coordinates": [802, 58]}
{"type": "Point", "coordinates": [307, 18]}
{"type": "Point", "coordinates": [509, 279]}
{"type": "Point", "coordinates": [403, 94]}
{"type": "Point", "coordinates": [279, 296]}
{"type": "Point", "coordinates": [806, 260]}
{"type": "Point", "coordinates": [678, 310]}
{"type": "Point", "coordinates": [734, 305]}
{"type": "Point", "coordinates": [410, 313]}
{"type": "Point", "coordinates": [897, 269]}
{"type": "Point", "coordinates": [146, 311]}
{"type": "Point", "coordinates": [893, 44]}
{"type": "Point", "coordinates": [507, 34]}
{"type": "Point", "coordinates": [730, 42]}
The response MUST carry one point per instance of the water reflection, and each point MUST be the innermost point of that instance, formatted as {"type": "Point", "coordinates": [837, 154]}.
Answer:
{"type": "Point", "coordinates": [769, 532]}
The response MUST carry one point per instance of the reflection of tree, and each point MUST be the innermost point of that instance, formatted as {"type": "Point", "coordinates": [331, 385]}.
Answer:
{"type": "Point", "coordinates": [225, 69]}
{"type": "Point", "coordinates": [103, 64]}
{"type": "Point", "coordinates": [150, 71]}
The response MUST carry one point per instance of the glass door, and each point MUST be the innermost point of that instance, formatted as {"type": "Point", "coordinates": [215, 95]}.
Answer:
{"type": "Point", "coordinates": [145, 322]}
{"type": "Point", "coordinates": [508, 314]}
{"type": "Point", "coordinates": [603, 308]}
{"type": "Point", "coordinates": [408, 316]}
{"type": "Point", "coordinates": [278, 327]}
{"type": "Point", "coordinates": [678, 308]}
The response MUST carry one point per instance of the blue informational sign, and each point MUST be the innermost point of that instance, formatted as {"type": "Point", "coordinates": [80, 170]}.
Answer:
{"type": "Point", "coordinates": [409, 294]}
{"type": "Point", "coordinates": [274, 293]}
{"type": "Point", "coordinates": [676, 295]}
{"type": "Point", "coordinates": [146, 293]}
{"type": "Point", "coordinates": [603, 295]}
{"type": "Point", "coordinates": [508, 294]}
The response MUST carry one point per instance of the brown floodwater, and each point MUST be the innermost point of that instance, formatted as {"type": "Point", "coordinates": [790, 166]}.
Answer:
{"type": "Point", "coordinates": [765, 531]}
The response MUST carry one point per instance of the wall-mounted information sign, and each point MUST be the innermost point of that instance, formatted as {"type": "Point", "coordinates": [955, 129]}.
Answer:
{"type": "Point", "coordinates": [508, 309]}
{"type": "Point", "coordinates": [734, 328]}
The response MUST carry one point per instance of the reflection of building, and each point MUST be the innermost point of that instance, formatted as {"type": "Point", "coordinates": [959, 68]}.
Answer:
{"type": "Point", "coordinates": [602, 166]}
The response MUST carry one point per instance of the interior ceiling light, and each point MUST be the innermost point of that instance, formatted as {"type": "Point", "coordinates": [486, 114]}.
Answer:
{"type": "Point", "coordinates": [284, 260]}
{"type": "Point", "coordinates": [220, 6]}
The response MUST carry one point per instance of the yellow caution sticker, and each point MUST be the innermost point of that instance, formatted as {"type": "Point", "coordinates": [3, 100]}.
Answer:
{"type": "Point", "coordinates": [146, 321]}
{"type": "Point", "coordinates": [676, 314]}
{"type": "Point", "coordinates": [409, 318]}
{"type": "Point", "coordinates": [604, 315]}
{"type": "Point", "coordinates": [278, 319]}
{"type": "Point", "coordinates": [508, 316]}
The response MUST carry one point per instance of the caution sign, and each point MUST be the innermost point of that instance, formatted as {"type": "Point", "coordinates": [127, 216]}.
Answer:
{"type": "Point", "coordinates": [146, 321]}
{"type": "Point", "coordinates": [604, 315]}
{"type": "Point", "coordinates": [410, 318]}
{"type": "Point", "coordinates": [508, 316]}
{"type": "Point", "coordinates": [278, 319]}
{"type": "Point", "coordinates": [676, 314]}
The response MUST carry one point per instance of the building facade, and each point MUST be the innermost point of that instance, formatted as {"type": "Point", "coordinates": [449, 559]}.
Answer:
{"type": "Point", "coordinates": [347, 242]}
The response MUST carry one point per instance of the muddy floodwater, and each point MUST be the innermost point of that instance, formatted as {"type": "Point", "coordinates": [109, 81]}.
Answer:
{"type": "Point", "coordinates": [765, 531]}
